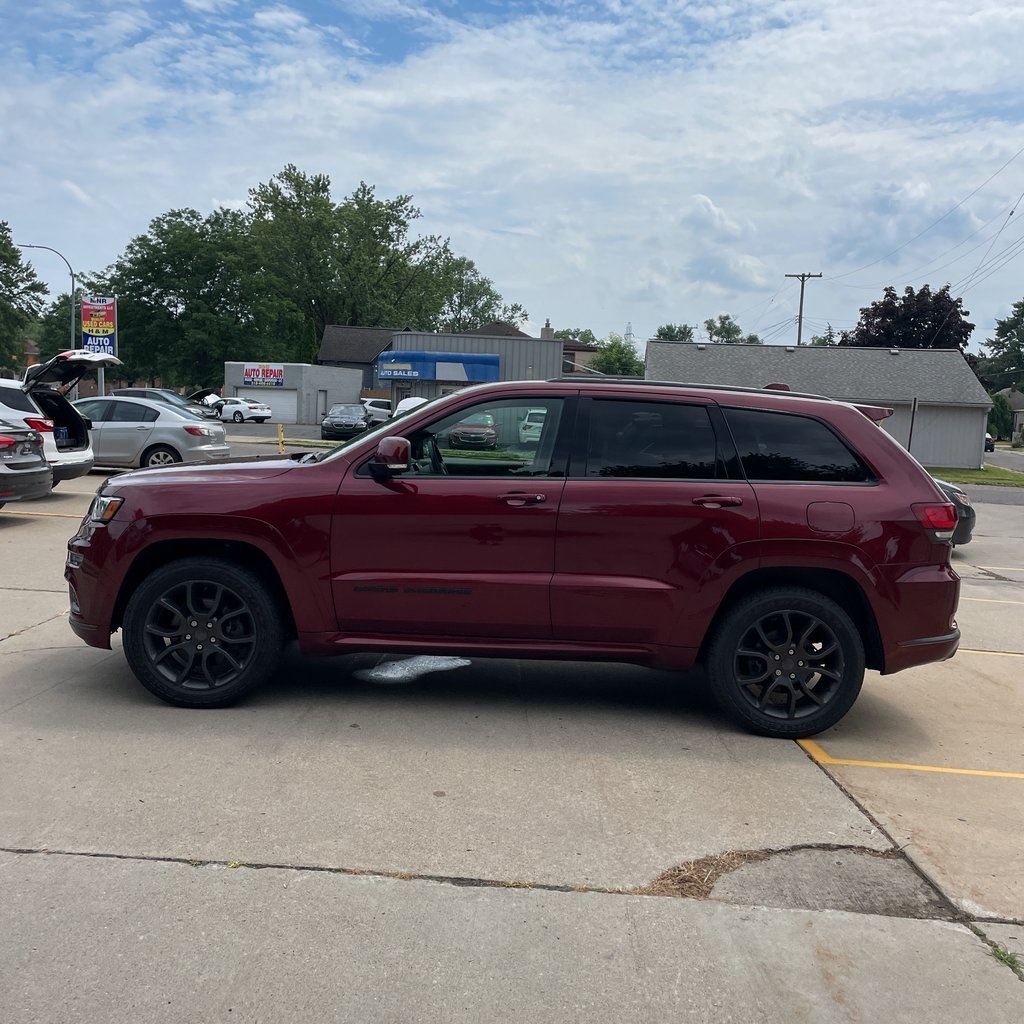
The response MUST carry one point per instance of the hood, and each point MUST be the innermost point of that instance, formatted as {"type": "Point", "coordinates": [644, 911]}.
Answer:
{"type": "Point", "coordinates": [203, 473]}
{"type": "Point", "coordinates": [66, 368]}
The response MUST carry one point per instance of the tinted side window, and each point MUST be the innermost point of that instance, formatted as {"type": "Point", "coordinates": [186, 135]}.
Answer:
{"type": "Point", "coordinates": [94, 410]}
{"type": "Point", "coordinates": [127, 412]}
{"type": "Point", "coordinates": [15, 398]}
{"type": "Point", "coordinates": [783, 446]}
{"type": "Point", "coordinates": [650, 439]}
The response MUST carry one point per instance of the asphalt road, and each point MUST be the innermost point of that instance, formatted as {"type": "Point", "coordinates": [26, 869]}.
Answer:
{"type": "Point", "coordinates": [374, 839]}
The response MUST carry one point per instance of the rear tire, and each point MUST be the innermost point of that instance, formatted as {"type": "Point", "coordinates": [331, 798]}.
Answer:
{"type": "Point", "coordinates": [786, 662]}
{"type": "Point", "coordinates": [160, 455]}
{"type": "Point", "coordinates": [201, 632]}
{"type": "Point", "coordinates": [238, 417]}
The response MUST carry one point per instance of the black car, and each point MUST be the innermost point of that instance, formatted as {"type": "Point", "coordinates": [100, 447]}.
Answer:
{"type": "Point", "coordinates": [990, 443]}
{"type": "Point", "coordinates": [24, 471]}
{"type": "Point", "coordinates": [343, 422]}
{"type": "Point", "coordinates": [965, 514]}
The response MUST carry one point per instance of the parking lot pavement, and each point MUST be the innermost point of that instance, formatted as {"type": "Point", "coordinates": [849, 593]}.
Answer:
{"type": "Point", "coordinates": [456, 789]}
{"type": "Point", "coordinates": [936, 754]}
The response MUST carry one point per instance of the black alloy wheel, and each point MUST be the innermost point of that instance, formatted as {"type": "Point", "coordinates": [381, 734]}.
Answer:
{"type": "Point", "coordinates": [786, 662]}
{"type": "Point", "coordinates": [201, 632]}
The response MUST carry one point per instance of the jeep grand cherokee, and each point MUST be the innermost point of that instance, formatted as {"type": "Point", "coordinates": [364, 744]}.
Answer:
{"type": "Point", "coordinates": [785, 542]}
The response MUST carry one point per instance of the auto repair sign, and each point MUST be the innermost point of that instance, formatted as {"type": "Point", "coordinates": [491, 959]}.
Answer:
{"type": "Point", "coordinates": [99, 324]}
{"type": "Point", "coordinates": [263, 375]}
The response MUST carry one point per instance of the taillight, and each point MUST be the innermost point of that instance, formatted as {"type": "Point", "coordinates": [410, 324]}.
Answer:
{"type": "Point", "coordinates": [38, 424]}
{"type": "Point", "coordinates": [199, 431]}
{"type": "Point", "coordinates": [939, 520]}
{"type": "Point", "coordinates": [7, 442]}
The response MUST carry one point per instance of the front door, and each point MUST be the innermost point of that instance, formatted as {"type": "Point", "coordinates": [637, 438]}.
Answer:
{"type": "Point", "coordinates": [462, 546]}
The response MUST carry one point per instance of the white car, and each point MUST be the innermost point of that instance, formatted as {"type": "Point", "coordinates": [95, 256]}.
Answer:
{"type": "Point", "coordinates": [241, 409]}
{"type": "Point", "coordinates": [37, 402]}
{"type": "Point", "coordinates": [531, 425]}
{"type": "Point", "coordinates": [378, 409]}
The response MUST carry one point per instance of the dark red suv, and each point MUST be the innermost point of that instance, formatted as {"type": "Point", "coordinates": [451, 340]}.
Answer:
{"type": "Point", "coordinates": [785, 542]}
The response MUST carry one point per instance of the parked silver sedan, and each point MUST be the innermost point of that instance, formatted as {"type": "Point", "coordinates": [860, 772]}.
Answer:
{"type": "Point", "coordinates": [139, 432]}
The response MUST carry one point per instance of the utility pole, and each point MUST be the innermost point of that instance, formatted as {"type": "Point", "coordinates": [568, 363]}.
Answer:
{"type": "Point", "coordinates": [800, 316]}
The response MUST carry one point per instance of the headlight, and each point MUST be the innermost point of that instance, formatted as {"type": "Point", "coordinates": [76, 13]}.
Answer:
{"type": "Point", "coordinates": [104, 508]}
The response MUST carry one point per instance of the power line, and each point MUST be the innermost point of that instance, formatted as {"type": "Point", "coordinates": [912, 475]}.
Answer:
{"type": "Point", "coordinates": [953, 209]}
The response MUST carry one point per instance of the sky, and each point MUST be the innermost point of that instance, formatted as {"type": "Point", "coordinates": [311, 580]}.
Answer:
{"type": "Point", "coordinates": [610, 164]}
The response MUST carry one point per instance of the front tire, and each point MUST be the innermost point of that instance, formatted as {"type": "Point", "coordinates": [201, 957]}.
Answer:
{"type": "Point", "coordinates": [786, 662]}
{"type": "Point", "coordinates": [201, 632]}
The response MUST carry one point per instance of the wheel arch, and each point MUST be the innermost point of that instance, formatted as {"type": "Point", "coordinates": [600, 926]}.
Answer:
{"type": "Point", "coordinates": [240, 553]}
{"type": "Point", "coordinates": [838, 586]}
{"type": "Point", "coordinates": [160, 445]}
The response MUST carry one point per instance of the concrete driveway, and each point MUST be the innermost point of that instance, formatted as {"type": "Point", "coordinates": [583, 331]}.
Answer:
{"type": "Point", "coordinates": [374, 839]}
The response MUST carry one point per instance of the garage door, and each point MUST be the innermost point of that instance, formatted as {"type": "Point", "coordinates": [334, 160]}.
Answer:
{"type": "Point", "coordinates": [283, 401]}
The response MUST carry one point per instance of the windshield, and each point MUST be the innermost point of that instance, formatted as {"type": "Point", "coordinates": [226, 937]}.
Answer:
{"type": "Point", "coordinates": [374, 430]}
{"type": "Point", "coordinates": [347, 410]}
{"type": "Point", "coordinates": [173, 396]}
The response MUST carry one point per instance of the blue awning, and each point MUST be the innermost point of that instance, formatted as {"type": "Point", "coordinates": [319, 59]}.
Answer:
{"type": "Point", "coordinates": [463, 367]}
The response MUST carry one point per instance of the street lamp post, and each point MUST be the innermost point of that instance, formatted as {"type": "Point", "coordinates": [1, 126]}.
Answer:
{"type": "Point", "coordinates": [71, 296]}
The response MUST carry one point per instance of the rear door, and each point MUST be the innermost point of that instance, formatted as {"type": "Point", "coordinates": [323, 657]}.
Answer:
{"type": "Point", "coordinates": [655, 523]}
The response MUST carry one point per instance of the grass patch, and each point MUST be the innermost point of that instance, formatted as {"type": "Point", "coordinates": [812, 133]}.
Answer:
{"type": "Point", "coordinates": [989, 475]}
{"type": "Point", "coordinates": [1005, 957]}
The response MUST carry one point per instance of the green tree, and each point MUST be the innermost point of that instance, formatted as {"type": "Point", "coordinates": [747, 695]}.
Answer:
{"type": "Point", "coordinates": [584, 335]}
{"type": "Point", "coordinates": [193, 294]}
{"type": "Point", "coordinates": [829, 338]}
{"type": "Point", "coordinates": [674, 332]}
{"type": "Point", "coordinates": [21, 299]}
{"type": "Point", "coordinates": [921, 319]}
{"type": "Point", "coordinates": [1004, 363]}
{"type": "Point", "coordinates": [618, 357]}
{"type": "Point", "coordinates": [353, 263]}
{"type": "Point", "coordinates": [54, 329]}
{"type": "Point", "coordinates": [725, 331]}
{"type": "Point", "coordinates": [471, 300]}
{"type": "Point", "coordinates": [1000, 417]}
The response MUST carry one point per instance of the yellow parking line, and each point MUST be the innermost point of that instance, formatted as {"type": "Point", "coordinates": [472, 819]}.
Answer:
{"type": "Point", "coordinates": [49, 515]}
{"type": "Point", "coordinates": [815, 751]}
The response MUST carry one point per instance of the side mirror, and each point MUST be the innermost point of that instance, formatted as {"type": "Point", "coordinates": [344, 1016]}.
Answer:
{"type": "Point", "coordinates": [393, 455]}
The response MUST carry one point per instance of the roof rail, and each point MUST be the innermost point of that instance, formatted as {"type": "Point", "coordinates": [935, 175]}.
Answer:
{"type": "Point", "coordinates": [611, 378]}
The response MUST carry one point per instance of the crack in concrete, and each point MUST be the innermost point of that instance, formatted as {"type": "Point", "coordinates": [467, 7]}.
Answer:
{"type": "Point", "coordinates": [690, 880]}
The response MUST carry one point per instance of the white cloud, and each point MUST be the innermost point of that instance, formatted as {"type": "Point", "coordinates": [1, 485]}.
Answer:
{"type": "Point", "coordinates": [644, 162]}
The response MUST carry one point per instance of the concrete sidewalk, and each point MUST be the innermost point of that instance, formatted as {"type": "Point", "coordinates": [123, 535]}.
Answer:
{"type": "Point", "coordinates": [112, 941]}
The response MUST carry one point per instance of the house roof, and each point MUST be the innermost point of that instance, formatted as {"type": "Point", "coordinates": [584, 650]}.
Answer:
{"type": "Point", "coordinates": [498, 329]}
{"type": "Point", "coordinates": [878, 375]}
{"type": "Point", "coordinates": [354, 344]}
{"type": "Point", "coordinates": [1014, 397]}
